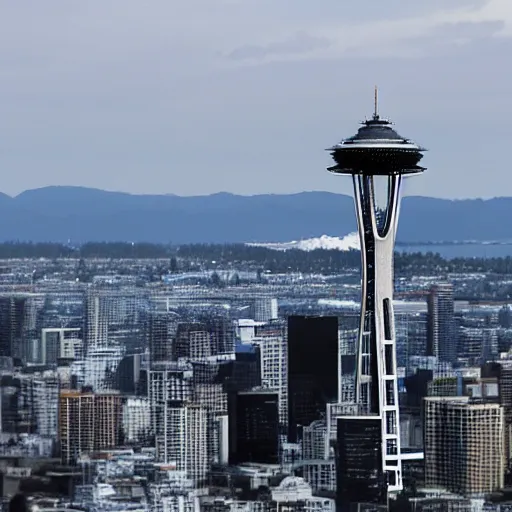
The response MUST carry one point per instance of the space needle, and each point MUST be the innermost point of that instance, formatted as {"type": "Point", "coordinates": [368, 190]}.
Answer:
{"type": "Point", "coordinates": [378, 159]}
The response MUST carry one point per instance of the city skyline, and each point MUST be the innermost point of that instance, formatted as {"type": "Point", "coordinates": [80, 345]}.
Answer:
{"type": "Point", "coordinates": [178, 333]}
{"type": "Point", "coordinates": [176, 388]}
{"type": "Point", "coordinates": [100, 97]}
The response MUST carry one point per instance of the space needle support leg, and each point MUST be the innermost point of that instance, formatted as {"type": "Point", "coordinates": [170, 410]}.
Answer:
{"type": "Point", "coordinates": [376, 380]}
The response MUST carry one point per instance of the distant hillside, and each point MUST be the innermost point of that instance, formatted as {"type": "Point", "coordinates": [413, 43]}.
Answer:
{"type": "Point", "coordinates": [81, 214]}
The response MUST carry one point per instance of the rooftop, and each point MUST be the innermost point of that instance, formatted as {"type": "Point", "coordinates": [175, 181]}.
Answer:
{"type": "Point", "coordinates": [376, 129]}
{"type": "Point", "coordinates": [376, 149]}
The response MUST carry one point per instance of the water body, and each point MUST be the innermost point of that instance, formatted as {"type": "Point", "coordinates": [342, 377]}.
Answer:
{"type": "Point", "coordinates": [450, 251]}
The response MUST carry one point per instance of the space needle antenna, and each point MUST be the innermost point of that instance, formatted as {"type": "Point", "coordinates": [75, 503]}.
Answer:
{"type": "Point", "coordinates": [376, 103]}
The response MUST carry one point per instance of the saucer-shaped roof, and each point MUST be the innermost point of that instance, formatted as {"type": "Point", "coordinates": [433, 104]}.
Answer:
{"type": "Point", "coordinates": [378, 149]}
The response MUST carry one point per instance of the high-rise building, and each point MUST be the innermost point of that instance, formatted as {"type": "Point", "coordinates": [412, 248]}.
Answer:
{"type": "Point", "coordinates": [113, 317]}
{"type": "Point", "coordinates": [18, 324]}
{"type": "Point", "coordinates": [168, 382]}
{"type": "Point", "coordinates": [254, 427]}
{"type": "Point", "coordinates": [160, 340]}
{"type": "Point", "coordinates": [245, 370]}
{"type": "Point", "coordinates": [192, 341]}
{"type": "Point", "coordinates": [464, 450]}
{"type": "Point", "coordinates": [100, 367]}
{"type": "Point", "coordinates": [315, 443]}
{"type": "Point", "coordinates": [347, 364]}
{"type": "Point", "coordinates": [358, 460]}
{"type": "Point", "coordinates": [136, 420]}
{"type": "Point", "coordinates": [9, 400]}
{"type": "Point", "coordinates": [221, 333]}
{"type": "Point", "coordinates": [502, 372]}
{"type": "Point", "coordinates": [87, 422]}
{"type": "Point", "coordinates": [378, 159]}
{"type": "Point", "coordinates": [179, 425]}
{"type": "Point", "coordinates": [274, 369]}
{"type": "Point", "coordinates": [265, 309]}
{"type": "Point", "coordinates": [411, 335]}
{"type": "Point", "coordinates": [209, 391]}
{"type": "Point", "coordinates": [441, 339]}
{"type": "Point", "coordinates": [44, 396]}
{"type": "Point", "coordinates": [182, 440]}
{"type": "Point", "coordinates": [59, 343]}
{"type": "Point", "coordinates": [99, 311]}
{"type": "Point", "coordinates": [477, 345]}
{"type": "Point", "coordinates": [29, 403]}
{"type": "Point", "coordinates": [312, 369]}
{"type": "Point", "coordinates": [128, 374]}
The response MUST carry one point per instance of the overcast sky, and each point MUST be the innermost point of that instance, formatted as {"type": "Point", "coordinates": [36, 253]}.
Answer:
{"type": "Point", "coordinates": [199, 96]}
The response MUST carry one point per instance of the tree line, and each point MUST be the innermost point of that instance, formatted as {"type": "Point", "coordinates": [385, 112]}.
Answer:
{"type": "Point", "coordinates": [210, 256]}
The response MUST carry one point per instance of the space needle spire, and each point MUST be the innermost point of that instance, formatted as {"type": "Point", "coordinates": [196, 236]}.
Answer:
{"type": "Point", "coordinates": [376, 103]}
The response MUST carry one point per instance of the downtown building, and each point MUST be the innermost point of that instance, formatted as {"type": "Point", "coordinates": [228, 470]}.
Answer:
{"type": "Point", "coordinates": [88, 422]}
{"type": "Point", "coordinates": [313, 358]}
{"type": "Point", "coordinates": [254, 427]}
{"type": "Point", "coordinates": [136, 421]}
{"type": "Point", "coordinates": [20, 321]}
{"type": "Point", "coordinates": [464, 445]}
{"type": "Point", "coordinates": [502, 373]}
{"type": "Point", "coordinates": [179, 425]}
{"type": "Point", "coordinates": [441, 333]}
{"type": "Point", "coordinates": [272, 346]}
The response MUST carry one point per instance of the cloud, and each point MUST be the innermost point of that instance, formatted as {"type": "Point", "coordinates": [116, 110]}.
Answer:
{"type": "Point", "coordinates": [455, 35]}
{"type": "Point", "coordinates": [298, 44]}
{"type": "Point", "coordinates": [402, 29]}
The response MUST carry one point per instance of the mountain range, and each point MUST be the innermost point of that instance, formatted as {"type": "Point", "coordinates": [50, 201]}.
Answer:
{"type": "Point", "coordinates": [78, 214]}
